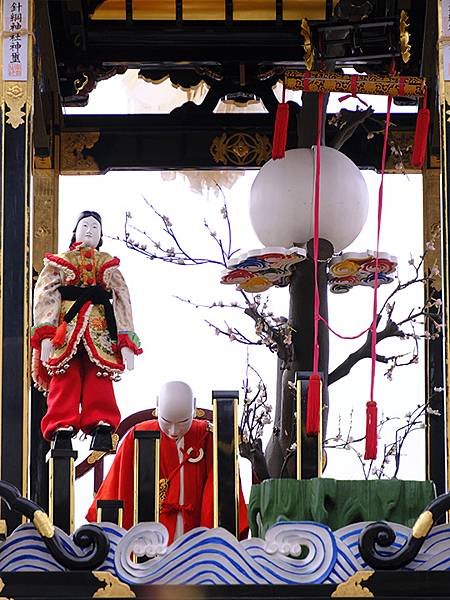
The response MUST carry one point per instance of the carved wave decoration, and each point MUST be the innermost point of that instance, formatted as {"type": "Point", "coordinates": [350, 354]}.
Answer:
{"type": "Point", "coordinates": [291, 553]}
{"type": "Point", "coordinates": [25, 550]}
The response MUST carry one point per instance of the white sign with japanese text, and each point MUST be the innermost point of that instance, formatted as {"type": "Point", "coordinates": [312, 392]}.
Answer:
{"type": "Point", "coordinates": [15, 40]}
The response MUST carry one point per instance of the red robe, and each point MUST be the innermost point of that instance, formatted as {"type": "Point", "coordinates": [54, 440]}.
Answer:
{"type": "Point", "coordinates": [198, 507]}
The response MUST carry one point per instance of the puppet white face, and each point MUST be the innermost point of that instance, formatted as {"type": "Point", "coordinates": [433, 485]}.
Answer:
{"type": "Point", "coordinates": [176, 408]}
{"type": "Point", "coordinates": [88, 232]}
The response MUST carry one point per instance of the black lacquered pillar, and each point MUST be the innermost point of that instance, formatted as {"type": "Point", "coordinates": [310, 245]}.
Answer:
{"type": "Point", "coordinates": [226, 472]}
{"type": "Point", "coordinates": [444, 105]}
{"type": "Point", "coordinates": [309, 447]}
{"type": "Point", "coordinates": [110, 511]}
{"type": "Point", "coordinates": [61, 471]}
{"type": "Point", "coordinates": [146, 476]}
{"type": "Point", "coordinates": [15, 125]}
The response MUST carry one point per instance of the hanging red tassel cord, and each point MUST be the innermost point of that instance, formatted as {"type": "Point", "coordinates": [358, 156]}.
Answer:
{"type": "Point", "coordinates": [421, 135]}
{"type": "Point", "coordinates": [281, 129]}
{"type": "Point", "coordinates": [313, 406]}
{"type": "Point", "coordinates": [371, 406]}
{"type": "Point", "coordinates": [60, 335]}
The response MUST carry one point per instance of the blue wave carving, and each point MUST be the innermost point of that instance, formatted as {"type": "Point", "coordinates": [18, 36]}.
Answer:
{"type": "Point", "coordinates": [213, 556]}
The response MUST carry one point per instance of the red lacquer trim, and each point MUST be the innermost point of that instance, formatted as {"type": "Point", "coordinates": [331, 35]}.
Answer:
{"type": "Point", "coordinates": [113, 262]}
{"type": "Point", "coordinates": [41, 333]}
{"type": "Point", "coordinates": [61, 262]}
{"type": "Point", "coordinates": [125, 342]}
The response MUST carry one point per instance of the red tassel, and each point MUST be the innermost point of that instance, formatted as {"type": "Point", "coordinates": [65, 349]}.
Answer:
{"type": "Point", "coordinates": [60, 335]}
{"type": "Point", "coordinates": [314, 405]}
{"type": "Point", "coordinates": [371, 431]}
{"type": "Point", "coordinates": [420, 138]}
{"type": "Point", "coordinates": [280, 131]}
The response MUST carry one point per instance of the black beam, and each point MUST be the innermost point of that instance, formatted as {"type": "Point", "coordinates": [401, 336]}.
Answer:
{"type": "Point", "coordinates": [178, 141]}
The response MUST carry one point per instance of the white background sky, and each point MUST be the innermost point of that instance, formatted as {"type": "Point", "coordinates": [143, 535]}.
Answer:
{"type": "Point", "coordinates": [179, 345]}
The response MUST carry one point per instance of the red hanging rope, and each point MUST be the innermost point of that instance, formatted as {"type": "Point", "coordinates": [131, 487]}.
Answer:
{"type": "Point", "coordinates": [313, 407]}
{"type": "Point", "coordinates": [371, 406]}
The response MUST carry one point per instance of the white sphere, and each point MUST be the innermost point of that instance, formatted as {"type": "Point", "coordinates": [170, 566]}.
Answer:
{"type": "Point", "coordinates": [282, 199]}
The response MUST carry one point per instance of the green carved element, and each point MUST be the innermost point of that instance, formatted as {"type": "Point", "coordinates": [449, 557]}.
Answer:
{"type": "Point", "coordinates": [337, 503]}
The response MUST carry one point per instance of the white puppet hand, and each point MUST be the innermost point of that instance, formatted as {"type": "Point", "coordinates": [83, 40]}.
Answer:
{"type": "Point", "coordinates": [128, 358]}
{"type": "Point", "coordinates": [46, 349]}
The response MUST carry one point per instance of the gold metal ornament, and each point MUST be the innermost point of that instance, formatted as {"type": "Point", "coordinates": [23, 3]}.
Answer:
{"type": "Point", "coordinates": [15, 94]}
{"type": "Point", "coordinates": [307, 45]}
{"type": "Point", "coordinates": [43, 524]}
{"type": "Point", "coordinates": [114, 587]}
{"type": "Point", "coordinates": [80, 84]}
{"type": "Point", "coordinates": [241, 149]}
{"type": "Point", "coordinates": [73, 161]}
{"type": "Point", "coordinates": [352, 588]}
{"type": "Point", "coordinates": [97, 455]}
{"type": "Point", "coordinates": [423, 525]}
{"type": "Point", "coordinates": [405, 46]}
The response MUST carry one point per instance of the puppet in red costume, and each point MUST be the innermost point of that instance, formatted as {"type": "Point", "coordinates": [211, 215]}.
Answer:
{"type": "Point", "coordinates": [186, 465]}
{"type": "Point", "coordinates": [81, 342]}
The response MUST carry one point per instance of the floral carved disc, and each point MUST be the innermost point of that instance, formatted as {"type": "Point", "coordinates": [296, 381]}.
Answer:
{"type": "Point", "coordinates": [358, 268]}
{"type": "Point", "coordinates": [258, 270]}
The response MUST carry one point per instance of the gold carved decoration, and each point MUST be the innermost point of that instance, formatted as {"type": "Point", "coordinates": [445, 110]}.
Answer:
{"type": "Point", "coordinates": [431, 222]}
{"type": "Point", "coordinates": [43, 524]}
{"type": "Point", "coordinates": [3, 527]}
{"type": "Point", "coordinates": [114, 588]}
{"type": "Point", "coordinates": [45, 213]}
{"type": "Point", "coordinates": [163, 487]}
{"type": "Point", "coordinates": [96, 455]}
{"type": "Point", "coordinates": [423, 525]}
{"type": "Point", "coordinates": [307, 45]}
{"type": "Point", "coordinates": [15, 95]}
{"type": "Point", "coordinates": [352, 588]}
{"type": "Point", "coordinates": [73, 159]}
{"type": "Point", "coordinates": [241, 149]}
{"type": "Point", "coordinates": [405, 46]}
{"type": "Point", "coordinates": [79, 85]}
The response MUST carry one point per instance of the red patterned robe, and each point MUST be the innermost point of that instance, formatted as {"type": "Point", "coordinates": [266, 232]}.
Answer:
{"type": "Point", "coordinates": [195, 478]}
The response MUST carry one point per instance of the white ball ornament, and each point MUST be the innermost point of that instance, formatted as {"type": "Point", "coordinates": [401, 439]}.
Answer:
{"type": "Point", "coordinates": [282, 199]}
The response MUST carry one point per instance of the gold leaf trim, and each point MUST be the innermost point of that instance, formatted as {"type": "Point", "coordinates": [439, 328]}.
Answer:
{"type": "Point", "coordinates": [405, 46]}
{"type": "Point", "coordinates": [423, 525]}
{"type": "Point", "coordinates": [114, 587]}
{"type": "Point", "coordinates": [163, 487]}
{"type": "Point", "coordinates": [352, 588]}
{"type": "Point", "coordinates": [15, 100]}
{"type": "Point", "coordinates": [43, 524]}
{"type": "Point", "coordinates": [2, 585]}
{"type": "Point", "coordinates": [307, 45]}
{"type": "Point", "coordinates": [73, 158]}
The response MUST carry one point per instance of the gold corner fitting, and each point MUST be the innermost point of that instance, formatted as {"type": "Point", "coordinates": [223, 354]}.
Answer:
{"type": "Point", "coordinates": [43, 524]}
{"type": "Point", "coordinates": [423, 525]}
{"type": "Point", "coordinates": [15, 97]}
{"type": "Point", "coordinates": [352, 588]}
{"type": "Point", "coordinates": [307, 45]}
{"type": "Point", "coordinates": [114, 588]}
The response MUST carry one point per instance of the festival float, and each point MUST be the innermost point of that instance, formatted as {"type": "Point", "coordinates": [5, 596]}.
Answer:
{"type": "Point", "coordinates": [311, 536]}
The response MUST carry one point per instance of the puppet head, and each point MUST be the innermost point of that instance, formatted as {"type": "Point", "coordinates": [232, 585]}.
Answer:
{"type": "Point", "coordinates": [88, 229]}
{"type": "Point", "coordinates": [176, 409]}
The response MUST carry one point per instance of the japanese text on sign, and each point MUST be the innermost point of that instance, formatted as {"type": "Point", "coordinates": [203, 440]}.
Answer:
{"type": "Point", "coordinates": [15, 40]}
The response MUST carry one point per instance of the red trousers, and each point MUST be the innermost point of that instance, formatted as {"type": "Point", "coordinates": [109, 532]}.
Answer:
{"type": "Point", "coordinates": [78, 397]}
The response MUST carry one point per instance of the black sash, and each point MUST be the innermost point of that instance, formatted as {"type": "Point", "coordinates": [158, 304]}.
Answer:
{"type": "Point", "coordinates": [97, 295]}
